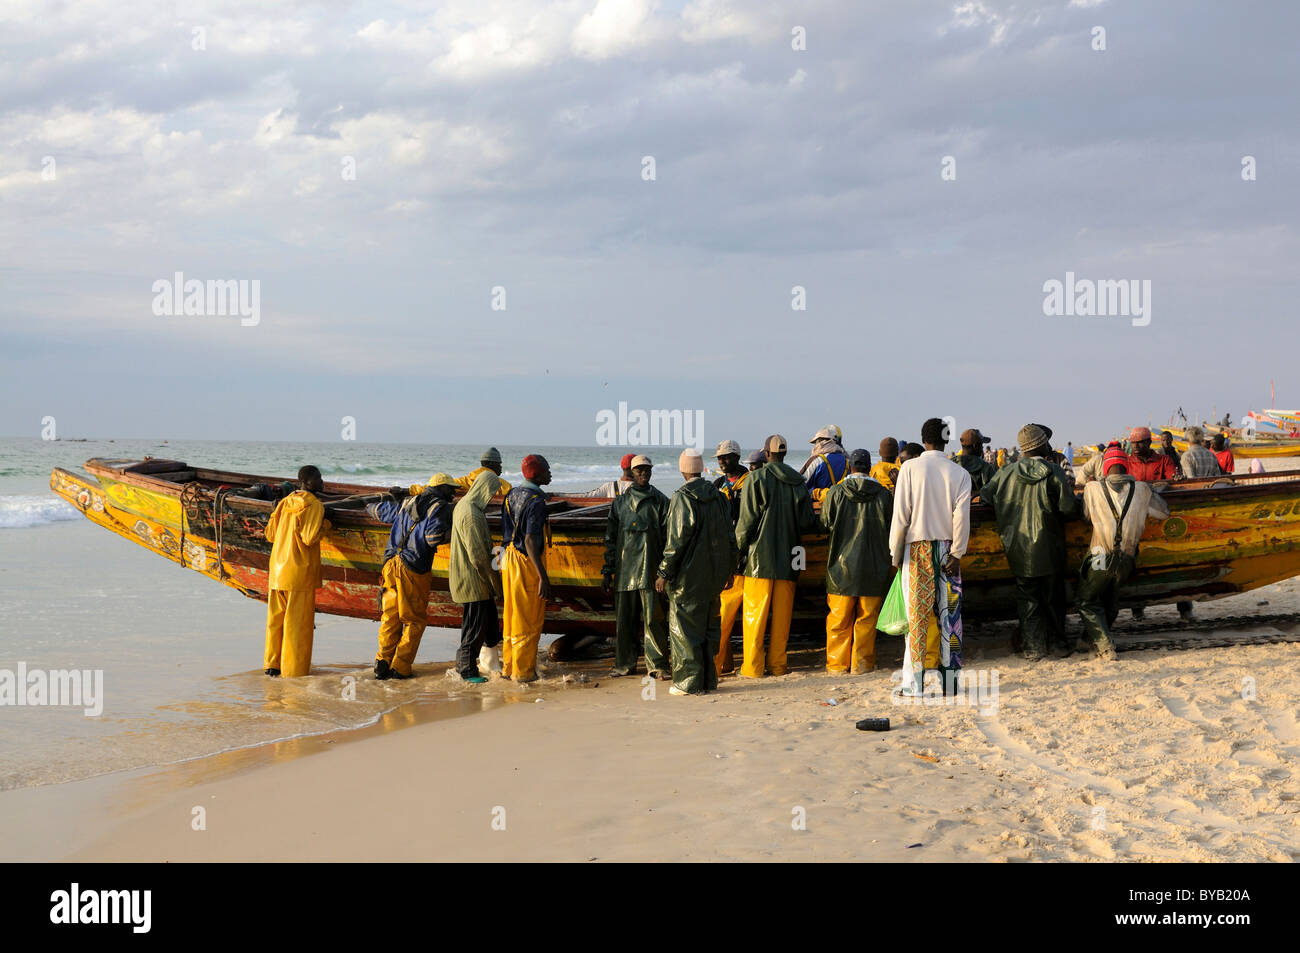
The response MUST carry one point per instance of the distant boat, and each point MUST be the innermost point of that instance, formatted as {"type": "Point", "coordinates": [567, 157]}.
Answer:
{"type": "Point", "coordinates": [1225, 536]}
{"type": "Point", "coordinates": [1279, 447]}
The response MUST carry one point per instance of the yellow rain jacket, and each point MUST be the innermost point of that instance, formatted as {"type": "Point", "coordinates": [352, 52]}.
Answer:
{"type": "Point", "coordinates": [468, 479]}
{"type": "Point", "coordinates": [295, 530]}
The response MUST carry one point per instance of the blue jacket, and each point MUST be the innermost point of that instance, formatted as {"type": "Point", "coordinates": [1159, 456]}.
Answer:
{"type": "Point", "coordinates": [819, 478]}
{"type": "Point", "coordinates": [429, 532]}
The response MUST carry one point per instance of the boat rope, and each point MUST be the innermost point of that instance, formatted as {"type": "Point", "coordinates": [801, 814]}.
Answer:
{"type": "Point", "coordinates": [219, 527]}
{"type": "Point", "coordinates": [191, 494]}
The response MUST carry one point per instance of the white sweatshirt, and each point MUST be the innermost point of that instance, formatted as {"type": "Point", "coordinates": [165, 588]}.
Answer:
{"type": "Point", "coordinates": [931, 501]}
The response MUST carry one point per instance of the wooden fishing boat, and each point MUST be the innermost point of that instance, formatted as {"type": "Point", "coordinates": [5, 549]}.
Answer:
{"type": "Point", "coordinates": [1225, 536]}
{"type": "Point", "coordinates": [1279, 447]}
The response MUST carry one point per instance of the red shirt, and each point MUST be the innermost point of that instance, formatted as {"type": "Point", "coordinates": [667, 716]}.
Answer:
{"type": "Point", "coordinates": [1159, 467]}
{"type": "Point", "coordinates": [1226, 463]}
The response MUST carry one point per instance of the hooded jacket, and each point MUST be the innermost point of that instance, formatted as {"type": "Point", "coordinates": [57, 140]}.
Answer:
{"type": "Point", "coordinates": [634, 537]}
{"type": "Point", "coordinates": [699, 549]}
{"type": "Point", "coordinates": [1032, 499]}
{"type": "Point", "coordinates": [775, 510]}
{"type": "Point", "coordinates": [295, 529]}
{"type": "Point", "coordinates": [981, 472]}
{"type": "Point", "coordinates": [432, 518]}
{"type": "Point", "coordinates": [857, 513]}
{"type": "Point", "coordinates": [470, 570]}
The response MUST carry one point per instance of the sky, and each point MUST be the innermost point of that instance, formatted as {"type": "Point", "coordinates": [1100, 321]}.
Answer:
{"type": "Point", "coordinates": [499, 157]}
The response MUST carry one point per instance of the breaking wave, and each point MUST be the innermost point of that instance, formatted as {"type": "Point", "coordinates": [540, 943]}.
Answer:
{"type": "Point", "coordinates": [19, 512]}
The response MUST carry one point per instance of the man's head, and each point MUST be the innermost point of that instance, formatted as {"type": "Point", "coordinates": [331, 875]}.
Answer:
{"type": "Point", "coordinates": [826, 433]}
{"type": "Point", "coordinates": [1140, 439]}
{"type": "Point", "coordinates": [755, 460]}
{"type": "Point", "coordinates": [889, 450]}
{"type": "Point", "coordinates": [309, 479]}
{"type": "Point", "coordinates": [535, 469]}
{"type": "Point", "coordinates": [626, 465]}
{"type": "Point", "coordinates": [1033, 440]}
{"type": "Point", "coordinates": [641, 468]}
{"type": "Point", "coordinates": [491, 459]}
{"type": "Point", "coordinates": [933, 434]}
{"type": "Point", "coordinates": [910, 451]}
{"type": "Point", "coordinates": [972, 442]}
{"type": "Point", "coordinates": [1218, 443]}
{"type": "Point", "coordinates": [1115, 461]}
{"type": "Point", "coordinates": [690, 464]}
{"type": "Point", "coordinates": [860, 461]}
{"type": "Point", "coordinates": [442, 485]}
{"type": "Point", "coordinates": [728, 454]}
{"type": "Point", "coordinates": [1194, 436]}
{"type": "Point", "coordinates": [774, 447]}
{"type": "Point", "coordinates": [1166, 440]}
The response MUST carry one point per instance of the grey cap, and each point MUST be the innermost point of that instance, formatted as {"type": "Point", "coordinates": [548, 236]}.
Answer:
{"type": "Point", "coordinates": [728, 446]}
{"type": "Point", "coordinates": [490, 455]}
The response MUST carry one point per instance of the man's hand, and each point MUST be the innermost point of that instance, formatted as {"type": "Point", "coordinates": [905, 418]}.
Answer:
{"type": "Point", "coordinates": [660, 585]}
{"type": "Point", "coordinates": [952, 565]}
{"type": "Point", "coordinates": [606, 581]}
{"type": "Point", "coordinates": [399, 493]}
{"type": "Point", "coordinates": [544, 588]}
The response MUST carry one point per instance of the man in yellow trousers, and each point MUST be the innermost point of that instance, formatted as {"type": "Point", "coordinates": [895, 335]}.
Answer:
{"type": "Point", "coordinates": [524, 581]}
{"type": "Point", "coordinates": [775, 510]}
{"type": "Point", "coordinates": [730, 484]}
{"type": "Point", "coordinates": [856, 513]}
{"type": "Point", "coordinates": [295, 529]}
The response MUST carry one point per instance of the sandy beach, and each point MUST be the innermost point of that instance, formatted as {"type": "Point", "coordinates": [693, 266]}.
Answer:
{"type": "Point", "coordinates": [1165, 755]}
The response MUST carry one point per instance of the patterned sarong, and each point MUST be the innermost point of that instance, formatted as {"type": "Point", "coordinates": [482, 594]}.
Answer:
{"type": "Point", "coordinates": [930, 594]}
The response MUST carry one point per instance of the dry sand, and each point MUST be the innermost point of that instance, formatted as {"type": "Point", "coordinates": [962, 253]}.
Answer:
{"type": "Point", "coordinates": [1163, 755]}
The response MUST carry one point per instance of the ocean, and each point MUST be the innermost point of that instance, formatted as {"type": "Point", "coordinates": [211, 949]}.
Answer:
{"type": "Point", "coordinates": [181, 655]}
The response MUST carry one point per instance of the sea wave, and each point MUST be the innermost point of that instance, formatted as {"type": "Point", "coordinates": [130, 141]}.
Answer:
{"type": "Point", "coordinates": [19, 512]}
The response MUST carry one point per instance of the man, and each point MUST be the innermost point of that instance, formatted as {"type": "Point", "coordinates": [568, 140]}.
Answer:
{"type": "Point", "coordinates": [775, 509]}
{"type": "Point", "coordinates": [1092, 467]}
{"type": "Point", "coordinates": [827, 464]}
{"type": "Point", "coordinates": [755, 460]}
{"type": "Point", "coordinates": [523, 570]}
{"type": "Point", "coordinates": [1223, 454]}
{"type": "Point", "coordinates": [1142, 463]}
{"type": "Point", "coordinates": [1198, 460]}
{"type": "Point", "coordinates": [420, 524]}
{"type": "Point", "coordinates": [972, 459]}
{"type": "Point", "coordinates": [928, 535]}
{"type": "Point", "coordinates": [1168, 449]}
{"type": "Point", "coordinates": [475, 585]}
{"type": "Point", "coordinates": [910, 451]}
{"type": "Point", "coordinates": [1117, 507]}
{"type": "Point", "coordinates": [613, 488]}
{"type": "Point", "coordinates": [489, 462]}
{"type": "Point", "coordinates": [293, 575]}
{"type": "Point", "coordinates": [1032, 499]}
{"type": "Point", "coordinates": [886, 471]}
{"type": "Point", "coordinates": [856, 513]}
{"type": "Point", "coordinates": [634, 546]}
{"type": "Point", "coordinates": [730, 485]}
{"type": "Point", "coordinates": [699, 559]}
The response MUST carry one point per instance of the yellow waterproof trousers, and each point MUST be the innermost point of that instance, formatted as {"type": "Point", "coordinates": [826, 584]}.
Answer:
{"type": "Point", "coordinates": [524, 615]}
{"type": "Point", "coordinates": [290, 627]}
{"type": "Point", "coordinates": [764, 597]}
{"type": "Point", "coordinates": [733, 600]}
{"type": "Point", "coordinates": [851, 633]}
{"type": "Point", "coordinates": [404, 614]}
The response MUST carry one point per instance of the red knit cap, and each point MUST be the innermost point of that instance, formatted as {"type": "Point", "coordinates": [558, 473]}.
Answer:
{"type": "Point", "coordinates": [1115, 455]}
{"type": "Point", "coordinates": [626, 462]}
{"type": "Point", "coordinates": [532, 466]}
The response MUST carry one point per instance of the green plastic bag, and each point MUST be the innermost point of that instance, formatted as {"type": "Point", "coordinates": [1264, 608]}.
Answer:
{"type": "Point", "coordinates": [893, 614]}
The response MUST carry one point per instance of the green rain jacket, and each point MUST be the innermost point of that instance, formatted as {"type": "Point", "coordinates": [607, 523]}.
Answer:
{"type": "Point", "coordinates": [469, 573]}
{"type": "Point", "coordinates": [980, 470]}
{"type": "Point", "coordinates": [1032, 500]}
{"type": "Point", "coordinates": [775, 510]}
{"type": "Point", "coordinates": [634, 537]}
{"type": "Point", "coordinates": [857, 514]}
{"type": "Point", "coordinates": [699, 549]}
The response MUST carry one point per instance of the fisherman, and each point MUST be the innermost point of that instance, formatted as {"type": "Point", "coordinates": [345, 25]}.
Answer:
{"type": "Point", "coordinates": [928, 534]}
{"type": "Point", "coordinates": [1002, 457]}
{"type": "Point", "coordinates": [730, 484]}
{"type": "Point", "coordinates": [490, 460]}
{"type": "Point", "coordinates": [420, 524]}
{"type": "Point", "coordinates": [1144, 464]}
{"type": "Point", "coordinates": [827, 464]}
{"type": "Point", "coordinates": [1118, 508]}
{"type": "Point", "coordinates": [856, 513]}
{"type": "Point", "coordinates": [613, 488]}
{"type": "Point", "coordinates": [1032, 499]}
{"type": "Point", "coordinates": [910, 451]}
{"type": "Point", "coordinates": [1168, 449]}
{"type": "Point", "coordinates": [886, 471]}
{"type": "Point", "coordinates": [293, 575]}
{"type": "Point", "coordinates": [971, 459]}
{"type": "Point", "coordinates": [634, 546]}
{"type": "Point", "coordinates": [698, 562]}
{"type": "Point", "coordinates": [775, 510]}
{"type": "Point", "coordinates": [526, 585]}
{"type": "Point", "coordinates": [755, 460]}
{"type": "Point", "coordinates": [1223, 454]}
{"type": "Point", "coordinates": [1198, 460]}
{"type": "Point", "coordinates": [474, 583]}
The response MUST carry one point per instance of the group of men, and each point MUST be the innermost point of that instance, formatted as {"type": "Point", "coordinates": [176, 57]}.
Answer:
{"type": "Point", "coordinates": [684, 569]}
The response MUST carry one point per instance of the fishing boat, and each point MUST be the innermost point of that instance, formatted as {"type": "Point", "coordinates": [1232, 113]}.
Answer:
{"type": "Point", "coordinates": [1266, 447]}
{"type": "Point", "coordinates": [1224, 536]}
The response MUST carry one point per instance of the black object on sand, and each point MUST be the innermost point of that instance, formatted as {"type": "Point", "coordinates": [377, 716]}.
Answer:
{"type": "Point", "coordinates": [873, 724]}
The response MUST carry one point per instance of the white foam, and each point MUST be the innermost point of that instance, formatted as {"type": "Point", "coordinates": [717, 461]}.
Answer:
{"type": "Point", "coordinates": [19, 512]}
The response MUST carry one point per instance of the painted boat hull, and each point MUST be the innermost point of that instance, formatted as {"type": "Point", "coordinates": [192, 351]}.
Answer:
{"type": "Point", "coordinates": [1219, 541]}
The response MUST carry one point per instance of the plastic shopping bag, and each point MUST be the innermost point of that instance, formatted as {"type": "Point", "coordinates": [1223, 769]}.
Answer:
{"type": "Point", "coordinates": [893, 614]}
